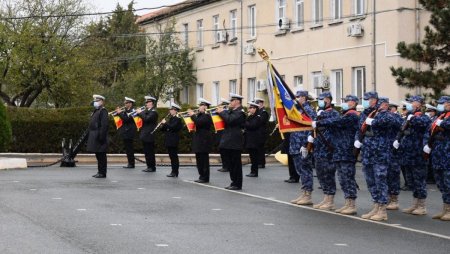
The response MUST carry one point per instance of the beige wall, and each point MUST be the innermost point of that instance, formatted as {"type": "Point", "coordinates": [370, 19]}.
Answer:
{"type": "Point", "coordinates": [301, 52]}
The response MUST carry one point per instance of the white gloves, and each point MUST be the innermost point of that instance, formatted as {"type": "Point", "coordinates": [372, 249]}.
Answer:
{"type": "Point", "coordinates": [409, 117]}
{"type": "Point", "coordinates": [396, 144]}
{"type": "Point", "coordinates": [314, 124]}
{"type": "Point", "coordinates": [319, 112]}
{"type": "Point", "coordinates": [304, 152]}
{"type": "Point", "coordinates": [438, 122]}
{"type": "Point", "coordinates": [310, 139]}
{"type": "Point", "coordinates": [369, 121]}
{"type": "Point", "coordinates": [357, 144]}
{"type": "Point", "coordinates": [427, 149]}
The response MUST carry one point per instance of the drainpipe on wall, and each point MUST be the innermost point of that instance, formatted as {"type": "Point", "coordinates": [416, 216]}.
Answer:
{"type": "Point", "coordinates": [374, 50]}
{"type": "Point", "coordinates": [242, 50]}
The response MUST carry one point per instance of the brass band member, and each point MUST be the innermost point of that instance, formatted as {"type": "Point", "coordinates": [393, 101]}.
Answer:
{"type": "Point", "coordinates": [263, 132]}
{"type": "Point", "coordinates": [149, 118]}
{"type": "Point", "coordinates": [252, 137]}
{"type": "Point", "coordinates": [202, 140]}
{"type": "Point", "coordinates": [171, 128]}
{"type": "Point", "coordinates": [128, 129]}
{"type": "Point", "coordinates": [223, 158]}
{"type": "Point", "coordinates": [232, 139]}
{"type": "Point", "coordinates": [98, 133]}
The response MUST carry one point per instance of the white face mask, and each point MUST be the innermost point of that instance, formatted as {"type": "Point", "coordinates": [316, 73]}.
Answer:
{"type": "Point", "coordinates": [97, 104]}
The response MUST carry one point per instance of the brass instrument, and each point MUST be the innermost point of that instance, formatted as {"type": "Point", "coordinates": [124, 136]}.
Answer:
{"type": "Point", "coordinates": [134, 112]}
{"type": "Point", "coordinates": [113, 113]}
{"type": "Point", "coordinates": [208, 110]}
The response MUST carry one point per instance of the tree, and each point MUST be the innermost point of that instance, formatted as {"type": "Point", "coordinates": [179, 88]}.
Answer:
{"type": "Point", "coordinates": [433, 51]}
{"type": "Point", "coordinates": [5, 129]}
{"type": "Point", "coordinates": [38, 52]}
{"type": "Point", "coordinates": [169, 65]}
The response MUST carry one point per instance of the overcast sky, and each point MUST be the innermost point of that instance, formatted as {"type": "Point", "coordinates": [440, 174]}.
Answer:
{"type": "Point", "coordinates": [110, 5]}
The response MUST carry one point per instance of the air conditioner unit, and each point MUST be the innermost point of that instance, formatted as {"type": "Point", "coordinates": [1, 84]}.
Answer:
{"type": "Point", "coordinates": [249, 49]}
{"type": "Point", "coordinates": [283, 23]}
{"type": "Point", "coordinates": [221, 36]}
{"type": "Point", "coordinates": [261, 85]}
{"type": "Point", "coordinates": [355, 30]}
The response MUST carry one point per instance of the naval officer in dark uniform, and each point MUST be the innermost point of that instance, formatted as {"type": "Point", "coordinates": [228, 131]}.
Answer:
{"type": "Point", "coordinates": [263, 133]}
{"type": "Point", "coordinates": [98, 135]}
{"type": "Point", "coordinates": [252, 137]}
{"type": "Point", "coordinates": [171, 129]}
{"type": "Point", "coordinates": [149, 119]}
{"type": "Point", "coordinates": [128, 129]}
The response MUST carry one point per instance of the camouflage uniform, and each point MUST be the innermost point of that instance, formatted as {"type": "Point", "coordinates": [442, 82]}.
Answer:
{"type": "Point", "coordinates": [393, 177]}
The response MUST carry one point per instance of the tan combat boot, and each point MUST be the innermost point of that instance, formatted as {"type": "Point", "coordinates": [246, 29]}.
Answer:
{"type": "Point", "coordinates": [294, 201]}
{"type": "Point", "coordinates": [393, 203]}
{"type": "Point", "coordinates": [446, 216]}
{"type": "Point", "coordinates": [351, 209]}
{"type": "Point", "coordinates": [381, 214]}
{"type": "Point", "coordinates": [347, 201]}
{"type": "Point", "coordinates": [439, 215]}
{"type": "Point", "coordinates": [329, 204]}
{"type": "Point", "coordinates": [316, 206]}
{"type": "Point", "coordinates": [306, 199]}
{"type": "Point", "coordinates": [421, 209]}
{"type": "Point", "coordinates": [372, 212]}
{"type": "Point", "coordinates": [412, 207]}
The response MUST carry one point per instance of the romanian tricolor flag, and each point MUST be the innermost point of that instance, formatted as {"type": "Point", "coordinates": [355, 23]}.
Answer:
{"type": "Point", "coordinates": [118, 121]}
{"type": "Point", "coordinates": [218, 122]}
{"type": "Point", "coordinates": [189, 123]}
{"type": "Point", "coordinates": [138, 121]}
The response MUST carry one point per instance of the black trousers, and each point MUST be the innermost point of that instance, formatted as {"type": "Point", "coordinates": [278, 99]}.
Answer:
{"type": "Point", "coordinates": [235, 160]}
{"type": "Point", "coordinates": [202, 160]}
{"type": "Point", "coordinates": [102, 163]}
{"type": "Point", "coordinates": [292, 172]}
{"type": "Point", "coordinates": [254, 159]}
{"type": "Point", "coordinates": [149, 151]}
{"type": "Point", "coordinates": [224, 160]}
{"type": "Point", "coordinates": [174, 161]}
{"type": "Point", "coordinates": [129, 150]}
{"type": "Point", "coordinates": [262, 155]}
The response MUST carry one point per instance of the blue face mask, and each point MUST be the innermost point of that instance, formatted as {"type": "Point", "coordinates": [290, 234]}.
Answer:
{"type": "Point", "coordinates": [321, 104]}
{"type": "Point", "coordinates": [344, 106]}
{"type": "Point", "coordinates": [365, 103]}
{"type": "Point", "coordinates": [409, 107]}
{"type": "Point", "coordinates": [440, 107]}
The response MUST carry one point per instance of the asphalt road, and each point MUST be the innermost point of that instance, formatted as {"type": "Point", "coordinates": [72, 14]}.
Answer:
{"type": "Point", "coordinates": [65, 210]}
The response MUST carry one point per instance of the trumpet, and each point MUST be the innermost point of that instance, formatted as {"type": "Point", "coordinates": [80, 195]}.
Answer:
{"type": "Point", "coordinates": [134, 112]}
{"type": "Point", "coordinates": [114, 113]}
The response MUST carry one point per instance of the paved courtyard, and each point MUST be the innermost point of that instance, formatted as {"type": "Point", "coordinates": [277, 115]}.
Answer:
{"type": "Point", "coordinates": [65, 210]}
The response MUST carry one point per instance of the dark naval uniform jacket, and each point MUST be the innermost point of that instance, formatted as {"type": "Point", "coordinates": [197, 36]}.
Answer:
{"type": "Point", "coordinates": [252, 134]}
{"type": "Point", "coordinates": [98, 131]}
{"type": "Point", "coordinates": [203, 139]}
{"type": "Point", "coordinates": [232, 137]}
{"type": "Point", "coordinates": [149, 119]}
{"type": "Point", "coordinates": [128, 129]}
{"type": "Point", "coordinates": [171, 130]}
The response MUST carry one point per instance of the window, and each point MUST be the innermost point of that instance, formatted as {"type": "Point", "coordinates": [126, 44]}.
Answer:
{"type": "Point", "coordinates": [233, 86]}
{"type": "Point", "coordinates": [215, 28]}
{"type": "Point", "coordinates": [199, 91]}
{"type": "Point", "coordinates": [251, 88]}
{"type": "Point", "coordinates": [336, 10]}
{"type": "Point", "coordinates": [186, 34]}
{"type": "Point", "coordinates": [359, 81]}
{"type": "Point", "coordinates": [298, 82]}
{"type": "Point", "coordinates": [358, 7]}
{"type": "Point", "coordinates": [200, 33]}
{"type": "Point", "coordinates": [215, 93]}
{"type": "Point", "coordinates": [317, 12]}
{"type": "Point", "coordinates": [316, 79]}
{"type": "Point", "coordinates": [233, 24]}
{"type": "Point", "coordinates": [281, 6]}
{"type": "Point", "coordinates": [185, 95]}
{"type": "Point", "coordinates": [336, 85]}
{"type": "Point", "coordinates": [299, 13]}
{"type": "Point", "coordinates": [252, 20]}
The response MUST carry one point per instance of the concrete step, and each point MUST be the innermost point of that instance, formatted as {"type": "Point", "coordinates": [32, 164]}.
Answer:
{"type": "Point", "coordinates": [12, 163]}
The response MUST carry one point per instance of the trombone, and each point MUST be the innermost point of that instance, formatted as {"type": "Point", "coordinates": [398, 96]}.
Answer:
{"type": "Point", "coordinates": [114, 113]}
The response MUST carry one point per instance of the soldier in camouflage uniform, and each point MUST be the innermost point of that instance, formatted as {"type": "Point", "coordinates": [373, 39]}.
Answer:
{"type": "Point", "coordinates": [302, 160]}
{"type": "Point", "coordinates": [323, 150]}
{"type": "Point", "coordinates": [437, 142]}
{"type": "Point", "coordinates": [343, 131]}
{"type": "Point", "coordinates": [409, 145]}
{"type": "Point", "coordinates": [376, 151]}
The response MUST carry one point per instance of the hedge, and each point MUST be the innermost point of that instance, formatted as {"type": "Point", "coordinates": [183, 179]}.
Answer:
{"type": "Point", "coordinates": [42, 130]}
{"type": "Point", "coordinates": [5, 129]}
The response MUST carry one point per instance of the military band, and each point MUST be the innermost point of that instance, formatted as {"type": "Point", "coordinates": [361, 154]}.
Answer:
{"type": "Point", "coordinates": [171, 129]}
{"type": "Point", "coordinates": [128, 129]}
{"type": "Point", "coordinates": [149, 118]}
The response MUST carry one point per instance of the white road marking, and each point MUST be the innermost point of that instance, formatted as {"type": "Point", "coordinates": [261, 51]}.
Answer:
{"type": "Point", "coordinates": [396, 225]}
{"type": "Point", "coordinates": [216, 209]}
{"type": "Point", "coordinates": [141, 188]}
{"type": "Point", "coordinates": [32, 189]}
{"type": "Point", "coordinates": [161, 245]}
{"type": "Point", "coordinates": [16, 181]}
{"type": "Point", "coordinates": [114, 181]}
{"type": "Point", "coordinates": [324, 211]}
{"type": "Point", "coordinates": [81, 209]}
{"type": "Point", "coordinates": [269, 224]}
{"type": "Point", "coordinates": [56, 198]}
{"type": "Point", "coordinates": [341, 244]}
{"type": "Point", "coordinates": [115, 224]}
{"type": "Point", "coordinates": [177, 197]}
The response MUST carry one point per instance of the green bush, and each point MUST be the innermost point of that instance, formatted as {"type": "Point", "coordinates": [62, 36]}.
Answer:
{"type": "Point", "coordinates": [42, 130]}
{"type": "Point", "coordinates": [5, 129]}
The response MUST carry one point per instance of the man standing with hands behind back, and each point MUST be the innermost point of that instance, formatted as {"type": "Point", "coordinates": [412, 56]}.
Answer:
{"type": "Point", "coordinates": [98, 134]}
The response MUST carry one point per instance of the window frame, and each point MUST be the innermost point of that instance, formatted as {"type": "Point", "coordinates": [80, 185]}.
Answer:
{"type": "Point", "coordinates": [355, 7]}
{"type": "Point", "coordinates": [232, 85]}
{"type": "Point", "coordinates": [333, 10]}
{"type": "Point", "coordinates": [199, 90]}
{"type": "Point", "coordinates": [200, 33]}
{"type": "Point", "coordinates": [355, 86]}
{"type": "Point", "coordinates": [299, 18]}
{"type": "Point", "coordinates": [186, 34]}
{"type": "Point", "coordinates": [215, 28]}
{"type": "Point", "coordinates": [251, 88]}
{"type": "Point", "coordinates": [317, 21]}
{"type": "Point", "coordinates": [252, 21]}
{"type": "Point", "coordinates": [337, 93]}
{"type": "Point", "coordinates": [233, 24]}
{"type": "Point", "coordinates": [215, 95]}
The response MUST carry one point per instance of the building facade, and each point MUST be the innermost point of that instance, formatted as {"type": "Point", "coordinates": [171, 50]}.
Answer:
{"type": "Point", "coordinates": [346, 46]}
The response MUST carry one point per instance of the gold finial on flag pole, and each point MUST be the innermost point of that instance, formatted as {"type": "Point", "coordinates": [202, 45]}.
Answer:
{"type": "Point", "coordinates": [263, 54]}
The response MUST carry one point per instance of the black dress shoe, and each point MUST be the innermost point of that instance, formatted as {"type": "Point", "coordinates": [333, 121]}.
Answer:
{"type": "Point", "coordinates": [172, 175]}
{"type": "Point", "coordinates": [201, 181]}
{"type": "Point", "coordinates": [128, 166]}
{"type": "Point", "coordinates": [261, 166]}
{"type": "Point", "coordinates": [291, 181]}
{"type": "Point", "coordinates": [149, 170]}
{"type": "Point", "coordinates": [223, 170]}
{"type": "Point", "coordinates": [252, 175]}
{"type": "Point", "coordinates": [100, 176]}
{"type": "Point", "coordinates": [233, 188]}
{"type": "Point", "coordinates": [95, 175]}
